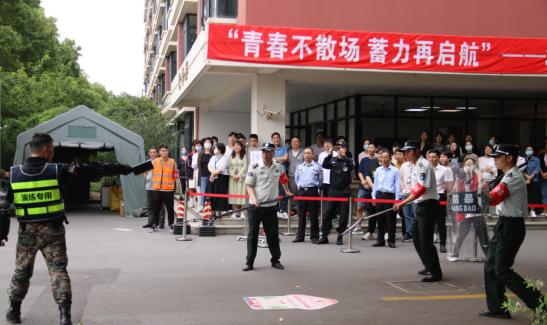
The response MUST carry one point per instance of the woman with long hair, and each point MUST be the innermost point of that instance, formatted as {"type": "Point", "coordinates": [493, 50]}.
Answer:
{"type": "Point", "coordinates": [439, 142]}
{"type": "Point", "coordinates": [237, 169]}
{"type": "Point", "coordinates": [468, 153]}
{"type": "Point", "coordinates": [218, 166]}
{"type": "Point", "coordinates": [455, 149]}
{"type": "Point", "coordinates": [424, 146]}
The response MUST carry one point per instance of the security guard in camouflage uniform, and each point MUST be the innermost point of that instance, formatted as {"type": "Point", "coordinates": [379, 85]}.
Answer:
{"type": "Point", "coordinates": [262, 185]}
{"type": "Point", "coordinates": [510, 198]}
{"type": "Point", "coordinates": [340, 178]}
{"type": "Point", "coordinates": [35, 189]}
{"type": "Point", "coordinates": [424, 192]}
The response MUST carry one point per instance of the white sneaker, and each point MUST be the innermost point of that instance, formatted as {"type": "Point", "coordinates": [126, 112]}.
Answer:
{"type": "Point", "coordinates": [242, 215]}
{"type": "Point", "coordinates": [452, 258]}
{"type": "Point", "coordinates": [358, 231]}
{"type": "Point", "coordinates": [191, 203]}
{"type": "Point", "coordinates": [279, 215]}
{"type": "Point", "coordinates": [368, 236]}
{"type": "Point", "coordinates": [533, 214]}
{"type": "Point", "coordinates": [284, 215]}
{"type": "Point", "coordinates": [386, 236]}
{"type": "Point", "coordinates": [233, 215]}
{"type": "Point", "coordinates": [436, 238]}
{"type": "Point", "coordinates": [398, 216]}
{"type": "Point", "coordinates": [200, 209]}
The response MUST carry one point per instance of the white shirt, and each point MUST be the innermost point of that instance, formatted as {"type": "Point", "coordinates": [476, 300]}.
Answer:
{"type": "Point", "coordinates": [516, 205]}
{"type": "Point", "coordinates": [217, 163]}
{"type": "Point", "coordinates": [326, 172]}
{"type": "Point", "coordinates": [484, 164]}
{"type": "Point", "coordinates": [442, 174]}
{"type": "Point", "coordinates": [407, 181]}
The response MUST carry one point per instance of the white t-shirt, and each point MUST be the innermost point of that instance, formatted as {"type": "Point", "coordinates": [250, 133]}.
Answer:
{"type": "Point", "coordinates": [326, 172]}
{"type": "Point", "coordinates": [484, 164]}
{"type": "Point", "coordinates": [217, 163]}
{"type": "Point", "coordinates": [229, 151]}
{"type": "Point", "coordinates": [442, 175]}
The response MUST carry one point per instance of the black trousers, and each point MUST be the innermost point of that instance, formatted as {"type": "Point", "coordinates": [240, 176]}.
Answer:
{"type": "Point", "coordinates": [481, 231]}
{"type": "Point", "coordinates": [268, 217]}
{"type": "Point", "coordinates": [331, 207]}
{"type": "Point", "coordinates": [161, 198]}
{"type": "Point", "coordinates": [533, 191]}
{"type": "Point", "coordinates": [152, 207]}
{"type": "Point", "coordinates": [386, 220]}
{"type": "Point", "coordinates": [509, 234]}
{"type": "Point", "coordinates": [423, 226]}
{"type": "Point", "coordinates": [371, 209]}
{"type": "Point", "coordinates": [312, 208]}
{"type": "Point", "coordinates": [441, 220]}
{"type": "Point", "coordinates": [403, 222]}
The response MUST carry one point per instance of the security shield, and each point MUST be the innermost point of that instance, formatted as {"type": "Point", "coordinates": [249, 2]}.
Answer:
{"type": "Point", "coordinates": [467, 207]}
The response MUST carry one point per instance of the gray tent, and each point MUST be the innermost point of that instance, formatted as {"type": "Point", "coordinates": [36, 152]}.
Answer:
{"type": "Point", "coordinates": [82, 128]}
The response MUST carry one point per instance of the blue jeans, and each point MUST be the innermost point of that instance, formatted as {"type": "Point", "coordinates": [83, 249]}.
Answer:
{"type": "Point", "coordinates": [543, 188]}
{"type": "Point", "coordinates": [202, 187]}
{"type": "Point", "coordinates": [409, 211]}
{"type": "Point", "coordinates": [282, 206]}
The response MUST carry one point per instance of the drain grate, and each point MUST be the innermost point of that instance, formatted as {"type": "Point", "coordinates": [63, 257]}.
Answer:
{"type": "Point", "coordinates": [424, 287]}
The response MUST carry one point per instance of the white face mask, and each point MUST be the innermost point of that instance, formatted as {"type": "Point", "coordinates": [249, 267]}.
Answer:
{"type": "Point", "coordinates": [207, 145]}
{"type": "Point", "coordinates": [215, 151]}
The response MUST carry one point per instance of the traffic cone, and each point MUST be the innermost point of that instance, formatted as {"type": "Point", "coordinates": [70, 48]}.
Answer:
{"type": "Point", "coordinates": [207, 213]}
{"type": "Point", "coordinates": [180, 211]}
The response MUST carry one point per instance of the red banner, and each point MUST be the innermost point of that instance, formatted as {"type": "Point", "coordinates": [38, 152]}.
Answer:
{"type": "Point", "coordinates": [371, 50]}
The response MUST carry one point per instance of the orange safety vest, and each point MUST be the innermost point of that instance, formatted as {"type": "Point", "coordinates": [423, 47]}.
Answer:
{"type": "Point", "coordinates": [163, 177]}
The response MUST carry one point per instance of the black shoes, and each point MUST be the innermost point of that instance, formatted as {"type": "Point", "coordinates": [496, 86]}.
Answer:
{"type": "Point", "coordinates": [162, 226]}
{"type": "Point", "coordinates": [443, 248]}
{"type": "Point", "coordinates": [147, 225]}
{"type": "Point", "coordinates": [432, 278]}
{"type": "Point", "coordinates": [323, 240]}
{"type": "Point", "coordinates": [407, 238]}
{"type": "Point", "coordinates": [423, 272]}
{"type": "Point", "coordinates": [298, 241]}
{"type": "Point", "coordinates": [379, 244]}
{"type": "Point", "coordinates": [314, 241]}
{"type": "Point", "coordinates": [392, 245]}
{"type": "Point", "coordinates": [487, 313]}
{"type": "Point", "coordinates": [13, 315]}
{"type": "Point", "coordinates": [247, 268]}
{"type": "Point", "coordinates": [278, 265]}
{"type": "Point", "coordinates": [339, 240]}
{"type": "Point", "coordinates": [64, 308]}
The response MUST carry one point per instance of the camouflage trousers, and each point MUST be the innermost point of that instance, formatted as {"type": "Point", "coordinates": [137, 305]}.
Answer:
{"type": "Point", "coordinates": [50, 240]}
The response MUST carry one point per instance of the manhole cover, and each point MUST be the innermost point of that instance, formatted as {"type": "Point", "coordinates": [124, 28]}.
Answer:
{"type": "Point", "coordinates": [423, 287]}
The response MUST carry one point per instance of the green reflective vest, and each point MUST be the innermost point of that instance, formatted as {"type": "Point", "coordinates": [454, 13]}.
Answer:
{"type": "Point", "coordinates": [36, 197]}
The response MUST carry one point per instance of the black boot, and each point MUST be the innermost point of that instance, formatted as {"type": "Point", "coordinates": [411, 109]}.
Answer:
{"type": "Point", "coordinates": [339, 240]}
{"type": "Point", "coordinates": [323, 240]}
{"type": "Point", "coordinates": [64, 308]}
{"type": "Point", "coordinates": [13, 315]}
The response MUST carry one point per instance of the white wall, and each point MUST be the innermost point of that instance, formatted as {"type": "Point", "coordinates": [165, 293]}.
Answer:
{"type": "Point", "coordinates": [222, 123]}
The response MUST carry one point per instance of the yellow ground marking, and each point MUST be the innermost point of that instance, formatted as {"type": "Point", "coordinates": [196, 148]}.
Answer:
{"type": "Point", "coordinates": [436, 297]}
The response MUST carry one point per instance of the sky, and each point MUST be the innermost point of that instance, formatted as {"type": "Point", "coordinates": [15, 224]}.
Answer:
{"type": "Point", "coordinates": [110, 34]}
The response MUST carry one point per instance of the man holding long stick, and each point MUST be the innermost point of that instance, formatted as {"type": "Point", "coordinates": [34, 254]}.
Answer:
{"type": "Point", "coordinates": [424, 192]}
{"type": "Point", "coordinates": [262, 185]}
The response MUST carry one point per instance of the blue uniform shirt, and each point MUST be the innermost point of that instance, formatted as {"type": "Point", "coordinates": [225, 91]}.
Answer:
{"type": "Point", "coordinates": [387, 180]}
{"type": "Point", "coordinates": [532, 167]}
{"type": "Point", "coordinates": [308, 175]}
{"type": "Point", "coordinates": [280, 152]}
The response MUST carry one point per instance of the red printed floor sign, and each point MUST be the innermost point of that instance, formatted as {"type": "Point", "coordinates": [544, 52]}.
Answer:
{"type": "Point", "coordinates": [289, 302]}
{"type": "Point", "coordinates": [372, 50]}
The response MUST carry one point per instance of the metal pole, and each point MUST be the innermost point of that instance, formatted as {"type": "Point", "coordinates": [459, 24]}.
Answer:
{"type": "Point", "coordinates": [184, 237]}
{"type": "Point", "coordinates": [350, 249]}
{"type": "Point", "coordinates": [475, 244]}
{"type": "Point", "coordinates": [288, 233]}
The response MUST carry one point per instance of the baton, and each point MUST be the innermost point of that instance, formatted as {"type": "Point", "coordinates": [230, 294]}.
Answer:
{"type": "Point", "coordinates": [363, 218]}
{"type": "Point", "coordinates": [250, 206]}
{"type": "Point", "coordinates": [496, 180]}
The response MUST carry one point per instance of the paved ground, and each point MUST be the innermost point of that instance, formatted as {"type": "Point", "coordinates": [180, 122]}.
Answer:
{"type": "Point", "coordinates": [123, 275]}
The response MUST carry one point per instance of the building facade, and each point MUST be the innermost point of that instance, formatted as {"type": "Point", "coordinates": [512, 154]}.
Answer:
{"type": "Point", "coordinates": [384, 71]}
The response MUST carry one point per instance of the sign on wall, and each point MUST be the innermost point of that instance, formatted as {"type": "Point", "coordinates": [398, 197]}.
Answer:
{"type": "Point", "coordinates": [372, 50]}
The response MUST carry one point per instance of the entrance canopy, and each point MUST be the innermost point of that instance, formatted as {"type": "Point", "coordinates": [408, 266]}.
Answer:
{"type": "Point", "coordinates": [83, 129]}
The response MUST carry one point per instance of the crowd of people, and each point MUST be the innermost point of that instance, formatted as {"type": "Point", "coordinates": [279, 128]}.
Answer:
{"type": "Point", "coordinates": [210, 166]}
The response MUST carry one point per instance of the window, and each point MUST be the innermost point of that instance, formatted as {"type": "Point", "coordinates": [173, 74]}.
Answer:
{"type": "Point", "coordinates": [189, 34]}
{"type": "Point", "coordinates": [377, 105]}
{"type": "Point", "coordinates": [518, 108]}
{"type": "Point", "coordinates": [173, 68]}
{"type": "Point", "coordinates": [303, 118]}
{"type": "Point", "coordinates": [315, 114]}
{"type": "Point", "coordinates": [330, 111]}
{"type": "Point", "coordinates": [414, 106]}
{"type": "Point", "coordinates": [449, 107]}
{"type": "Point", "coordinates": [484, 108]}
{"type": "Point", "coordinates": [341, 109]}
{"type": "Point", "coordinates": [218, 9]}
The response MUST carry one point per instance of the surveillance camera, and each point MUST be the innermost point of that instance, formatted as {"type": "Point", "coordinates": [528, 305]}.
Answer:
{"type": "Point", "coordinates": [270, 111]}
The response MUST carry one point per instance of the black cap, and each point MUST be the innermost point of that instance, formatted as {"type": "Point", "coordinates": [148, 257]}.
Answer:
{"type": "Point", "coordinates": [411, 145]}
{"type": "Point", "coordinates": [268, 146]}
{"type": "Point", "coordinates": [505, 149]}
{"type": "Point", "coordinates": [341, 143]}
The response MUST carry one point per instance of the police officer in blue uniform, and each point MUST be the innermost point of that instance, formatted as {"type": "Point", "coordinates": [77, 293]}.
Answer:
{"type": "Point", "coordinates": [309, 178]}
{"type": "Point", "coordinates": [340, 178]}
